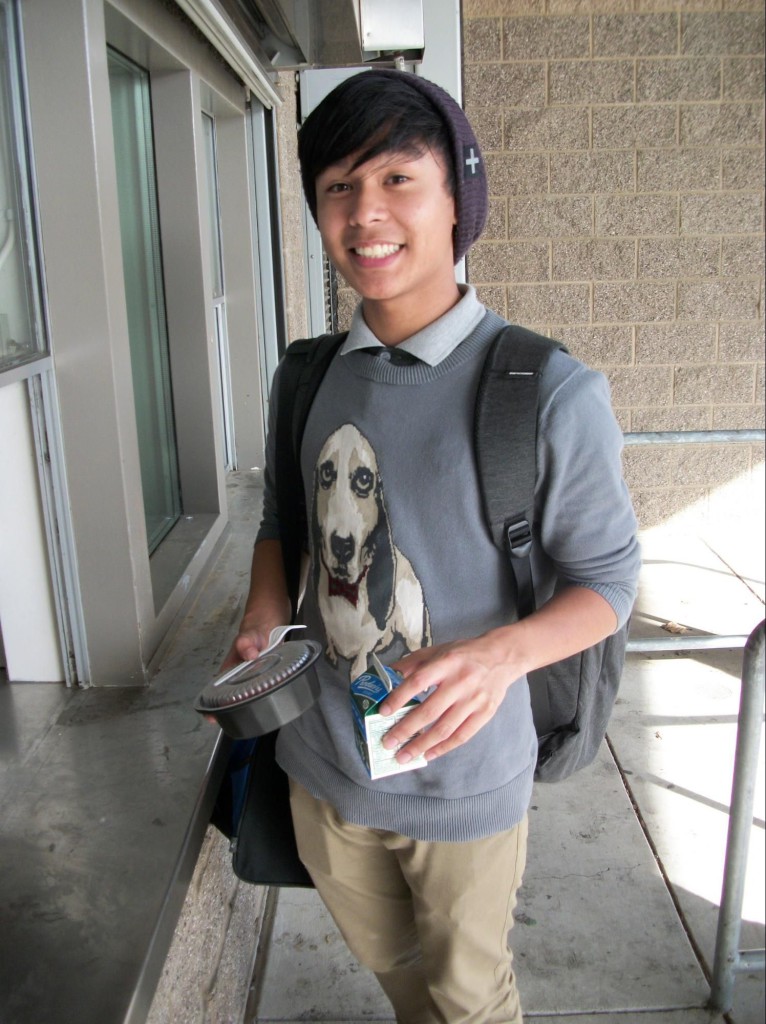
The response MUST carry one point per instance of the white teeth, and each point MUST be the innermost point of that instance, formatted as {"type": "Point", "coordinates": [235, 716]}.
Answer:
{"type": "Point", "coordinates": [377, 252]}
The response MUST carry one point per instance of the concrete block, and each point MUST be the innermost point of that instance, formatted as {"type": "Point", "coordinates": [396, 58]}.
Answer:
{"type": "Point", "coordinates": [739, 417]}
{"type": "Point", "coordinates": [683, 170]}
{"type": "Point", "coordinates": [675, 343]}
{"type": "Point", "coordinates": [622, 416]}
{"type": "Point", "coordinates": [696, 79]}
{"type": "Point", "coordinates": [594, 259]}
{"type": "Point", "coordinates": [676, 417]}
{"type": "Point", "coordinates": [731, 384]}
{"type": "Point", "coordinates": [549, 303]}
{"type": "Point", "coordinates": [743, 78]}
{"type": "Point", "coordinates": [637, 35]}
{"type": "Point", "coordinates": [606, 81]}
{"type": "Point", "coordinates": [545, 38]}
{"type": "Point", "coordinates": [494, 298]}
{"type": "Point", "coordinates": [679, 257]}
{"type": "Point", "coordinates": [510, 174]}
{"type": "Point", "coordinates": [655, 506]}
{"type": "Point", "coordinates": [637, 215]}
{"type": "Point", "coordinates": [715, 464]}
{"type": "Point", "coordinates": [721, 214]}
{"type": "Point", "coordinates": [495, 8]}
{"type": "Point", "coordinates": [497, 220]}
{"type": "Point", "coordinates": [587, 6]}
{"type": "Point", "coordinates": [724, 32]}
{"type": "Point", "coordinates": [592, 172]}
{"type": "Point", "coordinates": [651, 464]}
{"type": "Point", "coordinates": [730, 124]}
{"type": "Point", "coordinates": [482, 40]}
{"type": "Point", "coordinates": [742, 256]}
{"type": "Point", "coordinates": [718, 300]}
{"type": "Point", "coordinates": [488, 126]}
{"type": "Point", "coordinates": [742, 169]}
{"type": "Point", "coordinates": [348, 300]}
{"type": "Point", "coordinates": [644, 386]}
{"type": "Point", "coordinates": [510, 262]}
{"type": "Point", "coordinates": [549, 216]}
{"type": "Point", "coordinates": [643, 127]}
{"type": "Point", "coordinates": [741, 343]}
{"type": "Point", "coordinates": [493, 85]}
{"type": "Point", "coordinates": [628, 302]}
{"type": "Point", "coordinates": [598, 346]}
{"type": "Point", "coordinates": [549, 128]}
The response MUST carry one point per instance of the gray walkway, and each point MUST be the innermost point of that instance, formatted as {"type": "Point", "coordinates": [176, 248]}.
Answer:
{"type": "Point", "coordinates": [618, 911]}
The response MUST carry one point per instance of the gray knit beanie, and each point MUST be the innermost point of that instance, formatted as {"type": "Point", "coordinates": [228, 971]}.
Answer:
{"type": "Point", "coordinates": [471, 196]}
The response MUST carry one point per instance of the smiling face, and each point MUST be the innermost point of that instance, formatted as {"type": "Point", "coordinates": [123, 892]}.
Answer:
{"type": "Point", "coordinates": [387, 227]}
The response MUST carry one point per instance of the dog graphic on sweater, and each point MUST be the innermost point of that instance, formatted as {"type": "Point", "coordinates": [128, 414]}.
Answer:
{"type": "Point", "coordinates": [367, 590]}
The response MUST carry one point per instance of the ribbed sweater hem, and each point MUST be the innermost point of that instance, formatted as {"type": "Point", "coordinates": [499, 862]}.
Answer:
{"type": "Point", "coordinates": [427, 818]}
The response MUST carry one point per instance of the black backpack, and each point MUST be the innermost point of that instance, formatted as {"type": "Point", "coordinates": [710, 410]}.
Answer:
{"type": "Point", "coordinates": [571, 699]}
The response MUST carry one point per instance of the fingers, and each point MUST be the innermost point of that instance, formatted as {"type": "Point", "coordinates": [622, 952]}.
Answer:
{"type": "Point", "coordinates": [465, 694]}
{"type": "Point", "coordinates": [246, 647]}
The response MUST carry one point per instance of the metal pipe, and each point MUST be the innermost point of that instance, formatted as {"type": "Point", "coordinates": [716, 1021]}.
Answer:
{"type": "Point", "coordinates": [681, 642]}
{"type": "Point", "coordinates": [694, 437]}
{"type": "Point", "coordinates": [750, 960]}
{"type": "Point", "coordinates": [727, 955]}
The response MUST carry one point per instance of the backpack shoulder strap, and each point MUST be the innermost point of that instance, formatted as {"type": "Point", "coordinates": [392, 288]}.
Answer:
{"type": "Point", "coordinates": [303, 368]}
{"type": "Point", "coordinates": [505, 437]}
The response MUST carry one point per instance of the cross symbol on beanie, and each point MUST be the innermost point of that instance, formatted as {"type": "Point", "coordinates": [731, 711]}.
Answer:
{"type": "Point", "coordinates": [472, 161]}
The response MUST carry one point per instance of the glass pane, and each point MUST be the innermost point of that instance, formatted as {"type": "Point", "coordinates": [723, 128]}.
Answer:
{"type": "Point", "coordinates": [21, 336]}
{"type": "Point", "coordinates": [214, 219]}
{"type": "Point", "coordinates": [142, 264]}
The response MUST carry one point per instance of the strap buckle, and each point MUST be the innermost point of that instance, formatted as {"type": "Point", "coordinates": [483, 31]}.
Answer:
{"type": "Point", "coordinates": [518, 535]}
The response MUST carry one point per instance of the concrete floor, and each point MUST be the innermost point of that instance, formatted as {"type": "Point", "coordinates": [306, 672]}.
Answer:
{"type": "Point", "coordinates": [618, 912]}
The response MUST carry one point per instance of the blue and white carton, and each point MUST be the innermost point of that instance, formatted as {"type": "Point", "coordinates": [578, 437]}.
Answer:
{"type": "Point", "coordinates": [368, 692]}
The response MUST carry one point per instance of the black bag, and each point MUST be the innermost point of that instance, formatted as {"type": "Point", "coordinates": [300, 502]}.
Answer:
{"type": "Point", "coordinates": [571, 699]}
{"type": "Point", "coordinates": [253, 805]}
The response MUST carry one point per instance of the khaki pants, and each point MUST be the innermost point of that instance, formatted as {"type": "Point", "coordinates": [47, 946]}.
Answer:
{"type": "Point", "coordinates": [430, 919]}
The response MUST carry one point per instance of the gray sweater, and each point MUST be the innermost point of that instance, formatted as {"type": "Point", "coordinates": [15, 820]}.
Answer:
{"type": "Point", "coordinates": [401, 558]}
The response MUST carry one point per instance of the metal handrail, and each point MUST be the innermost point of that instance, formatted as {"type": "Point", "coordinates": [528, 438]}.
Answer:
{"type": "Point", "coordinates": [684, 642]}
{"type": "Point", "coordinates": [729, 959]}
{"type": "Point", "coordinates": [746, 436]}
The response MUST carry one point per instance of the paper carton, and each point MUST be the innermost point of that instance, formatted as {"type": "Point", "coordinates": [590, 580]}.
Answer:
{"type": "Point", "coordinates": [368, 692]}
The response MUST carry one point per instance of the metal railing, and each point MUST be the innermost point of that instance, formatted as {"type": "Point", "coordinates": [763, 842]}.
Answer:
{"type": "Point", "coordinates": [729, 959]}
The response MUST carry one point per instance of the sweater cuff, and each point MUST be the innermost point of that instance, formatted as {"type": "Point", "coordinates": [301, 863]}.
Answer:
{"type": "Point", "coordinates": [621, 596]}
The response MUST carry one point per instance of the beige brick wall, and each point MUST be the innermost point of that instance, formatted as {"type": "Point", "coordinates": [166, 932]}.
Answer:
{"type": "Point", "coordinates": [625, 152]}
{"type": "Point", "coordinates": [290, 199]}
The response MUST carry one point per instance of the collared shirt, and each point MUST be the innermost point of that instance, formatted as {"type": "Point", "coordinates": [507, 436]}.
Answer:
{"type": "Point", "coordinates": [435, 342]}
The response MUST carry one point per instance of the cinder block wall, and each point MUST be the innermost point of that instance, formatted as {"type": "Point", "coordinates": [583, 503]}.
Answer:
{"type": "Point", "coordinates": [625, 153]}
{"type": "Point", "coordinates": [290, 201]}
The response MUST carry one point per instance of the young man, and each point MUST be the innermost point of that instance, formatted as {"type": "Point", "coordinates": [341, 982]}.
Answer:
{"type": "Point", "coordinates": [420, 869]}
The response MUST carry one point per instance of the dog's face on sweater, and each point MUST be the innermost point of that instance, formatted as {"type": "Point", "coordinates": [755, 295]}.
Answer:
{"type": "Point", "coordinates": [347, 491]}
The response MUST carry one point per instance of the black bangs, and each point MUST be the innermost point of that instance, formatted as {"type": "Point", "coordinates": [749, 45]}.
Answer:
{"type": "Point", "coordinates": [370, 113]}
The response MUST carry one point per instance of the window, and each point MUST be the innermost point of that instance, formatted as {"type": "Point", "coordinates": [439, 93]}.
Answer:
{"type": "Point", "coordinates": [219, 297]}
{"type": "Point", "coordinates": [22, 338]}
{"type": "Point", "coordinates": [145, 295]}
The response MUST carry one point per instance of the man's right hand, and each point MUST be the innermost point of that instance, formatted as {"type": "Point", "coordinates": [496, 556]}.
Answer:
{"type": "Point", "coordinates": [247, 645]}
